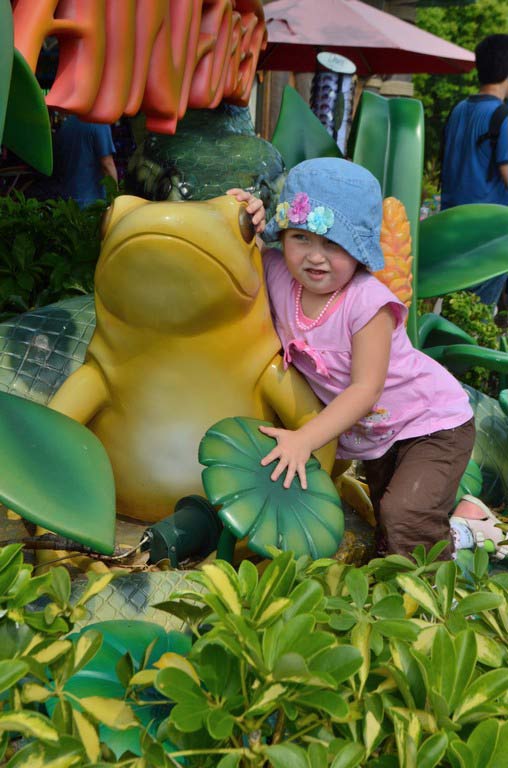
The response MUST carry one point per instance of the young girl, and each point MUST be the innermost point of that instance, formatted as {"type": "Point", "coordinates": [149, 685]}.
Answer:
{"type": "Point", "coordinates": [390, 405]}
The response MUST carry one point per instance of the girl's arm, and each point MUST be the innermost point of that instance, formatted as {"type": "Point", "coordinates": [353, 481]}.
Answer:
{"type": "Point", "coordinates": [369, 364]}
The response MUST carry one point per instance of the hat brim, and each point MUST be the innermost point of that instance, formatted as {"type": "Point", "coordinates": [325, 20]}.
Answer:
{"type": "Point", "coordinates": [365, 250]}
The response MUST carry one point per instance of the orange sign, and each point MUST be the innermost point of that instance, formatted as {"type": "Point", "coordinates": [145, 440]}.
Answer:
{"type": "Point", "coordinates": [119, 57]}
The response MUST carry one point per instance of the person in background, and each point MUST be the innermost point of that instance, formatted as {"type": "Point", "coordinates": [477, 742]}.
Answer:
{"type": "Point", "coordinates": [83, 156]}
{"type": "Point", "coordinates": [475, 145]}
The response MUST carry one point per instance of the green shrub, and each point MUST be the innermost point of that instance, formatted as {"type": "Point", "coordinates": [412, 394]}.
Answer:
{"type": "Point", "coordinates": [311, 665]}
{"type": "Point", "coordinates": [36, 663]}
{"type": "Point", "coordinates": [48, 251]}
{"type": "Point", "coordinates": [399, 663]}
{"type": "Point", "coordinates": [475, 318]}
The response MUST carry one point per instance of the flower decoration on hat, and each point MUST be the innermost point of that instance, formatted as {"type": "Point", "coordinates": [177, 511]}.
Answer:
{"type": "Point", "coordinates": [281, 215]}
{"type": "Point", "coordinates": [320, 220]}
{"type": "Point", "coordinates": [300, 208]}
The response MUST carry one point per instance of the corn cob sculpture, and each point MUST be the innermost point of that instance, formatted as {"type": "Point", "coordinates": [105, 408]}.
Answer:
{"type": "Point", "coordinates": [396, 245]}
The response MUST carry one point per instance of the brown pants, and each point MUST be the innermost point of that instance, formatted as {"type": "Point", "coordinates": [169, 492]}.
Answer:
{"type": "Point", "coordinates": [413, 488]}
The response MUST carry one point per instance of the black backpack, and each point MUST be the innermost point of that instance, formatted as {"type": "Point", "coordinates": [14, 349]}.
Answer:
{"type": "Point", "coordinates": [496, 120]}
{"type": "Point", "coordinates": [492, 135]}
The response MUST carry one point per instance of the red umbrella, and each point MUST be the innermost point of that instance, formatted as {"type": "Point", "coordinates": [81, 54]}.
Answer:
{"type": "Point", "coordinates": [375, 41]}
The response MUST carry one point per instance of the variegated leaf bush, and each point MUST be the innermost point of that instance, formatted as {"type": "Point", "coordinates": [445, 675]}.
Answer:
{"type": "Point", "coordinates": [302, 664]}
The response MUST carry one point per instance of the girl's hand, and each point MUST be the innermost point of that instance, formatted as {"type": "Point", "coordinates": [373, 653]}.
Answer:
{"type": "Point", "coordinates": [254, 207]}
{"type": "Point", "coordinates": [292, 453]}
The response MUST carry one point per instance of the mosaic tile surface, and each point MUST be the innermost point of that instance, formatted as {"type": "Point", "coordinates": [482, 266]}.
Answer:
{"type": "Point", "coordinates": [40, 349]}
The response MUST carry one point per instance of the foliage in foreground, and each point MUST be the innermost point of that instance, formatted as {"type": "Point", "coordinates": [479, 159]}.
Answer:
{"type": "Point", "coordinates": [313, 664]}
{"type": "Point", "coordinates": [318, 664]}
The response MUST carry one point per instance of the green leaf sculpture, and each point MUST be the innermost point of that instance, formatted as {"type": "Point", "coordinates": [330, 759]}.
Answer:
{"type": "Point", "coordinates": [460, 247]}
{"type": "Point", "coordinates": [459, 358]}
{"type": "Point", "coordinates": [27, 130]}
{"type": "Point", "coordinates": [299, 134]}
{"type": "Point", "coordinates": [434, 330]}
{"type": "Point", "coordinates": [490, 449]}
{"type": "Point", "coordinates": [24, 119]}
{"type": "Point", "coordinates": [387, 139]}
{"type": "Point", "coordinates": [56, 473]}
{"type": "Point", "coordinates": [307, 522]}
{"type": "Point", "coordinates": [471, 482]}
{"type": "Point", "coordinates": [6, 54]}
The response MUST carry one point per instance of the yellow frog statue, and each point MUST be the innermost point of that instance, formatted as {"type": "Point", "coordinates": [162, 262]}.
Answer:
{"type": "Point", "coordinates": [184, 338]}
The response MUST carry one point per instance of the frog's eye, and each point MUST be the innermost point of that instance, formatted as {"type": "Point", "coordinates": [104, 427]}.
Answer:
{"type": "Point", "coordinates": [246, 226]}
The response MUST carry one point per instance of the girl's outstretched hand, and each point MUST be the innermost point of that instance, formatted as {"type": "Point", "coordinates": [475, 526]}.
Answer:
{"type": "Point", "coordinates": [292, 453]}
{"type": "Point", "coordinates": [255, 207]}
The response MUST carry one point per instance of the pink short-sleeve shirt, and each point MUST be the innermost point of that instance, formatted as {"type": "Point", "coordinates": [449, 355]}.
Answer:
{"type": "Point", "coordinates": [419, 396]}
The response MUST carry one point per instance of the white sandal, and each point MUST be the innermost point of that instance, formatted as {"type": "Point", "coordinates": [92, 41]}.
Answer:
{"type": "Point", "coordinates": [486, 529]}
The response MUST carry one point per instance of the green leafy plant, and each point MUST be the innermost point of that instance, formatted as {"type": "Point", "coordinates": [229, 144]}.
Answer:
{"type": "Point", "coordinates": [430, 183]}
{"type": "Point", "coordinates": [312, 664]}
{"type": "Point", "coordinates": [37, 661]}
{"type": "Point", "coordinates": [465, 310]}
{"type": "Point", "coordinates": [48, 251]}
{"type": "Point", "coordinates": [316, 664]}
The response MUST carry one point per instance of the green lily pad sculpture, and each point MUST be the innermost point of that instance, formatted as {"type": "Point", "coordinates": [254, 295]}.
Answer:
{"type": "Point", "coordinates": [56, 473]}
{"type": "Point", "coordinates": [307, 522]}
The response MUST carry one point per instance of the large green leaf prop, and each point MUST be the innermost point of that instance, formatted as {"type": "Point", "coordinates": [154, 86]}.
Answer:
{"type": "Point", "coordinates": [471, 482]}
{"type": "Point", "coordinates": [305, 522]}
{"type": "Point", "coordinates": [27, 130]}
{"type": "Point", "coordinates": [462, 246]}
{"type": "Point", "coordinates": [459, 358]}
{"type": "Point", "coordinates": [490, 449]}
{"type": "Point", "coordinates": [434, 330]}
{"type": "Point", "coordinates": [300, 135]}
{"type": "Point", "coordinates": [24, 119]}
{"type": "Point", "coordinates": [387, 138]}
{"type": "Point", "coordinates": [56, 473]}
{"type": "Point", "coordinates": [6, 53]}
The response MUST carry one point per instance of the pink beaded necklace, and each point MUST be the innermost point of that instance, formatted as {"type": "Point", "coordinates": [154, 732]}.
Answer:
{"type": "Point", "coordinates": [299, 311]}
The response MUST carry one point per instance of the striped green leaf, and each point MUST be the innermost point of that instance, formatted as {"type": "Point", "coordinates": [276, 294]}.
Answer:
{"type": "Point", "coordinates": [29, 724]}
{"type": "Point", "coordinates": [419, 591]}
{"type": "Point", "coordinates": [483, 690]}
{"type": "Point", "coordinates": [432, 750]}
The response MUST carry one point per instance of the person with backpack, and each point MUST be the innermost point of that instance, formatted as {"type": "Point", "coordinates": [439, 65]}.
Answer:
{"type": "Point", "coordinates": [475, 145]}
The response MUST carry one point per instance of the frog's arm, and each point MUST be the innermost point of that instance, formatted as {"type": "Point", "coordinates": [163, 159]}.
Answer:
{"type": "Point", "coordinates": [294, 402]}
{"type": "Point", "coordinates": [82, 395]}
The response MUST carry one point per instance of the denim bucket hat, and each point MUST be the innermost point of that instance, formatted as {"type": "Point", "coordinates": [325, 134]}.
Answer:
{"type": "Point", "coordinates": [337, 199]}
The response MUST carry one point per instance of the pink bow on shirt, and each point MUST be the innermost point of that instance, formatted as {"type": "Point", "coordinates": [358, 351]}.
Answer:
{"type": "Point", "coordinates": [301, 346]}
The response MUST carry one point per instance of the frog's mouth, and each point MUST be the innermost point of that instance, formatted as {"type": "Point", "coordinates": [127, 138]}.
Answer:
{"type": "Point", "coordinates": [165, 281]}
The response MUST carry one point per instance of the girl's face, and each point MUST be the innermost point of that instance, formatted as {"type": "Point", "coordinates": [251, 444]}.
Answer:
{"type": "Point", "coordinates": [320, 265]}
